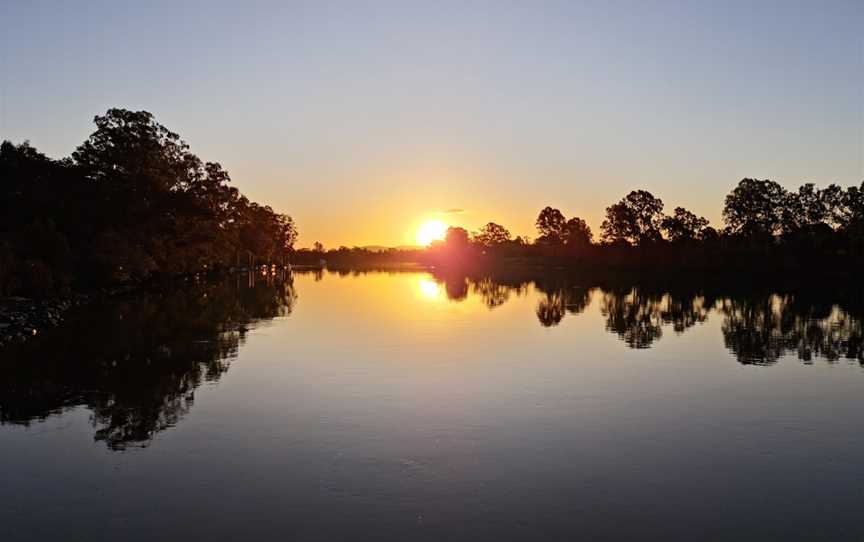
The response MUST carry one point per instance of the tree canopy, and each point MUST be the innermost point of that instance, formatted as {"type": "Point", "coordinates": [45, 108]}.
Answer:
{"type": "Point", "coordinates": [492, 235]}
{"type": "Point", "coordinates": [131, 203]}
{"type": "Point", "coordinates": [636, 219]}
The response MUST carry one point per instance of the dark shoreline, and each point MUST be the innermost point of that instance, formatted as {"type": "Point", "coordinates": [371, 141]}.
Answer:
{"type": "Point", "coordinates": [22, 317]}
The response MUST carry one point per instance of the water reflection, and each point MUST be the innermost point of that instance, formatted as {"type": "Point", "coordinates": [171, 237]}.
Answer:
{"type": "Point", "coordinates": [429, 289]}
{"type": "Point", "coordinates": [138, 361]}
{"type": "Point", "coordinates": [760, 330]}
{"type": "Point", "coordinates": [558, 301]}
{"type": "Point", "coordinates": [758, 327]}
{"type": "Point", "coordinates": [526, 403]}
{"type": "Point", "coordinates": [638, 315]}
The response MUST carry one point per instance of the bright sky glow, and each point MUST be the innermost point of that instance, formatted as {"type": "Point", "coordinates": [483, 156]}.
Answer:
{"type": "Point", "coordinates": [431, 230]}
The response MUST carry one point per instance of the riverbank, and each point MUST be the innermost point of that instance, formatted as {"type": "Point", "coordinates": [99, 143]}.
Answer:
{"type": "Point", "coordinates": [22, 318]}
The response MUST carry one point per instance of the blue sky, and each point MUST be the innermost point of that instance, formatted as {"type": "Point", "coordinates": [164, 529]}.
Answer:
{"type": "Point", "coordinates": [362, 119]}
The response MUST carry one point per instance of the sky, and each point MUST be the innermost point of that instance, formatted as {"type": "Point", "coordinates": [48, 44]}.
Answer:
{"type": "Point", "coordinates": [362, 119]}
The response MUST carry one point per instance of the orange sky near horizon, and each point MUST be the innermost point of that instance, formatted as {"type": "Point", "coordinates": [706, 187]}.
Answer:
{"type": "Point", "coordinates": [388, 212]}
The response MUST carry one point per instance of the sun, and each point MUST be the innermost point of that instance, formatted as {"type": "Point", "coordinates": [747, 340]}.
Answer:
{"type": "Point", "coordinates": [431, 230]}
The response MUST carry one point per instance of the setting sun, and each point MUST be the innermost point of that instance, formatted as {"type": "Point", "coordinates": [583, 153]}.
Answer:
{"type": "Point", "coordinates": [431, 230]}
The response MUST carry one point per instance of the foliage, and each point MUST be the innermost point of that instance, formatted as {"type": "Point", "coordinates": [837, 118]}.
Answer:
{"type": "Point", "coordinates": [556, 230]}
{"type": "Point", "coordinates": [551, 225]}
{"type": "Point", "coordinates": [754, 209]}
{"type": "Point", "coordinates": [636, 219]}
{"type": "Point", "coordinates": [684, 226]}
{"type": "Point", "coordinates": [131, 203]}
{"type": "Point", "coordinates": [456, 237]}
{"type": "Point", "coordinates": [492, 235]}
{"type": "Point", "coordinates": [577, 233]}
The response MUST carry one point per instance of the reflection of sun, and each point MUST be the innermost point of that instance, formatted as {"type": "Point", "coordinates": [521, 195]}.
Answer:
{"type": "Point", "coordinates": [429, 288]}
{"type": "Point", "coordinates": [431, 230]}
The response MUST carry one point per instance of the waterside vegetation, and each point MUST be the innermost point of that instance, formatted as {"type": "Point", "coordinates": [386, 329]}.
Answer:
{"type": "Point", "coordinates": [132, 204]}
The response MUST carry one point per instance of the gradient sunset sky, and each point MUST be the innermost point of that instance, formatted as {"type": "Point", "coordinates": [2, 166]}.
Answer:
{"type": "Point", "coordinates": [363, 119]}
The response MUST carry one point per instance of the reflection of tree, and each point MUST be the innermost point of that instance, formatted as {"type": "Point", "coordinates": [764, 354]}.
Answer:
{"type": "Point", "coordinates": [492, 293]}
{"type": "Point", "coordinates": [556, 303]}
{"type": "Point", "coordinates": [751, 330]}
{"type": "Point", "coordinates": [685, 311]}
{"type": "Point", "coordinates": [456, 290]}
{"type": "Point", "coordinates": [758, 328]}
{"type": "Point", "coordinates": [634, 316]}
{"type": "Point", "coordinates": [550, 310]}
{"type": "Point", "coordinates": [762, 329]}
{"type": "Point", "coordinates": [456, 287]}
{"type": "Point", "coordinates": [136, 363]}
{"type": "Point", "coordinates": [638, 315]}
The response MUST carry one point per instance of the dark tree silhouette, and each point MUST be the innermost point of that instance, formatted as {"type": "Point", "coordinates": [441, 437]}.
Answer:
{"type": "Point", "coordinates": [577, 234]}
{"type": "Point", "coordinates": [684, 226]}
{"type": "Point", "coordinates": [636, 219]}
{"type": "Point", "coordinates": [551, 225]}
{"type": "Point", "coordinates": [457, 237]}
{"type": "Point", "coordinates": [492, 235]}
{"type": "Point", "coordinates": [132, 203]}
{"type": "Point", "coordinates": [754, 209]}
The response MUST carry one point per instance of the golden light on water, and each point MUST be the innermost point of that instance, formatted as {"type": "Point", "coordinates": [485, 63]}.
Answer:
{"type": "Point", "coordinates": [429, 289]}
{"type": "Point", "coordinates": [431, 230]}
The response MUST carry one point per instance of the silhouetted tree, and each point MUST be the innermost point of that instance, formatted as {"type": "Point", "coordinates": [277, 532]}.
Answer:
{"type": "Point", "coordinates": [636, 219]}
{"type": "Point", "coordinates": [456, 237]}
{"type": "Point", "coordinates": [684, 226]}
{"type": "Point", "coordinates": [812, 211]}
{"type": "Point", "coordinates": [853, 207]}
{"type": "Point", "coordinates": [577, 234]}
{"type": "Point", "coordinates": [131, 203]}
{"type": "Point", "coordinates": [492, 235]}
{"type": "Point", "coordinates": [551, 225]}
{"type": "Point", "coordinates": [754, 209]}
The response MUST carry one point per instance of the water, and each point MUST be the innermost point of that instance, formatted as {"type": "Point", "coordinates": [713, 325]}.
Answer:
{"type": "Point", "coordinates": [405, 406]}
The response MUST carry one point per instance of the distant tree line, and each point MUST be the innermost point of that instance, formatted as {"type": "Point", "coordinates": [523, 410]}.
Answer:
{"type": "Point", "coordinates": [766, 227]}
{"type": "Point", "coordinates": [355, 257]}
{"type": "Point", "coordinates": [132, 203]}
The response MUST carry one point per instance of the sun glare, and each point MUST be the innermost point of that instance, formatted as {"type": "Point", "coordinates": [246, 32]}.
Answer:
{"type": "Point", "coordinates": [431, 230]}
{"type": "Point", "coordinates": [429, 289]}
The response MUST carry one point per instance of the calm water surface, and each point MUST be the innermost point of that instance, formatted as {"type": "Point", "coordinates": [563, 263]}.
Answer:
{"type": "Point", "coordinates": [405, 406]}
